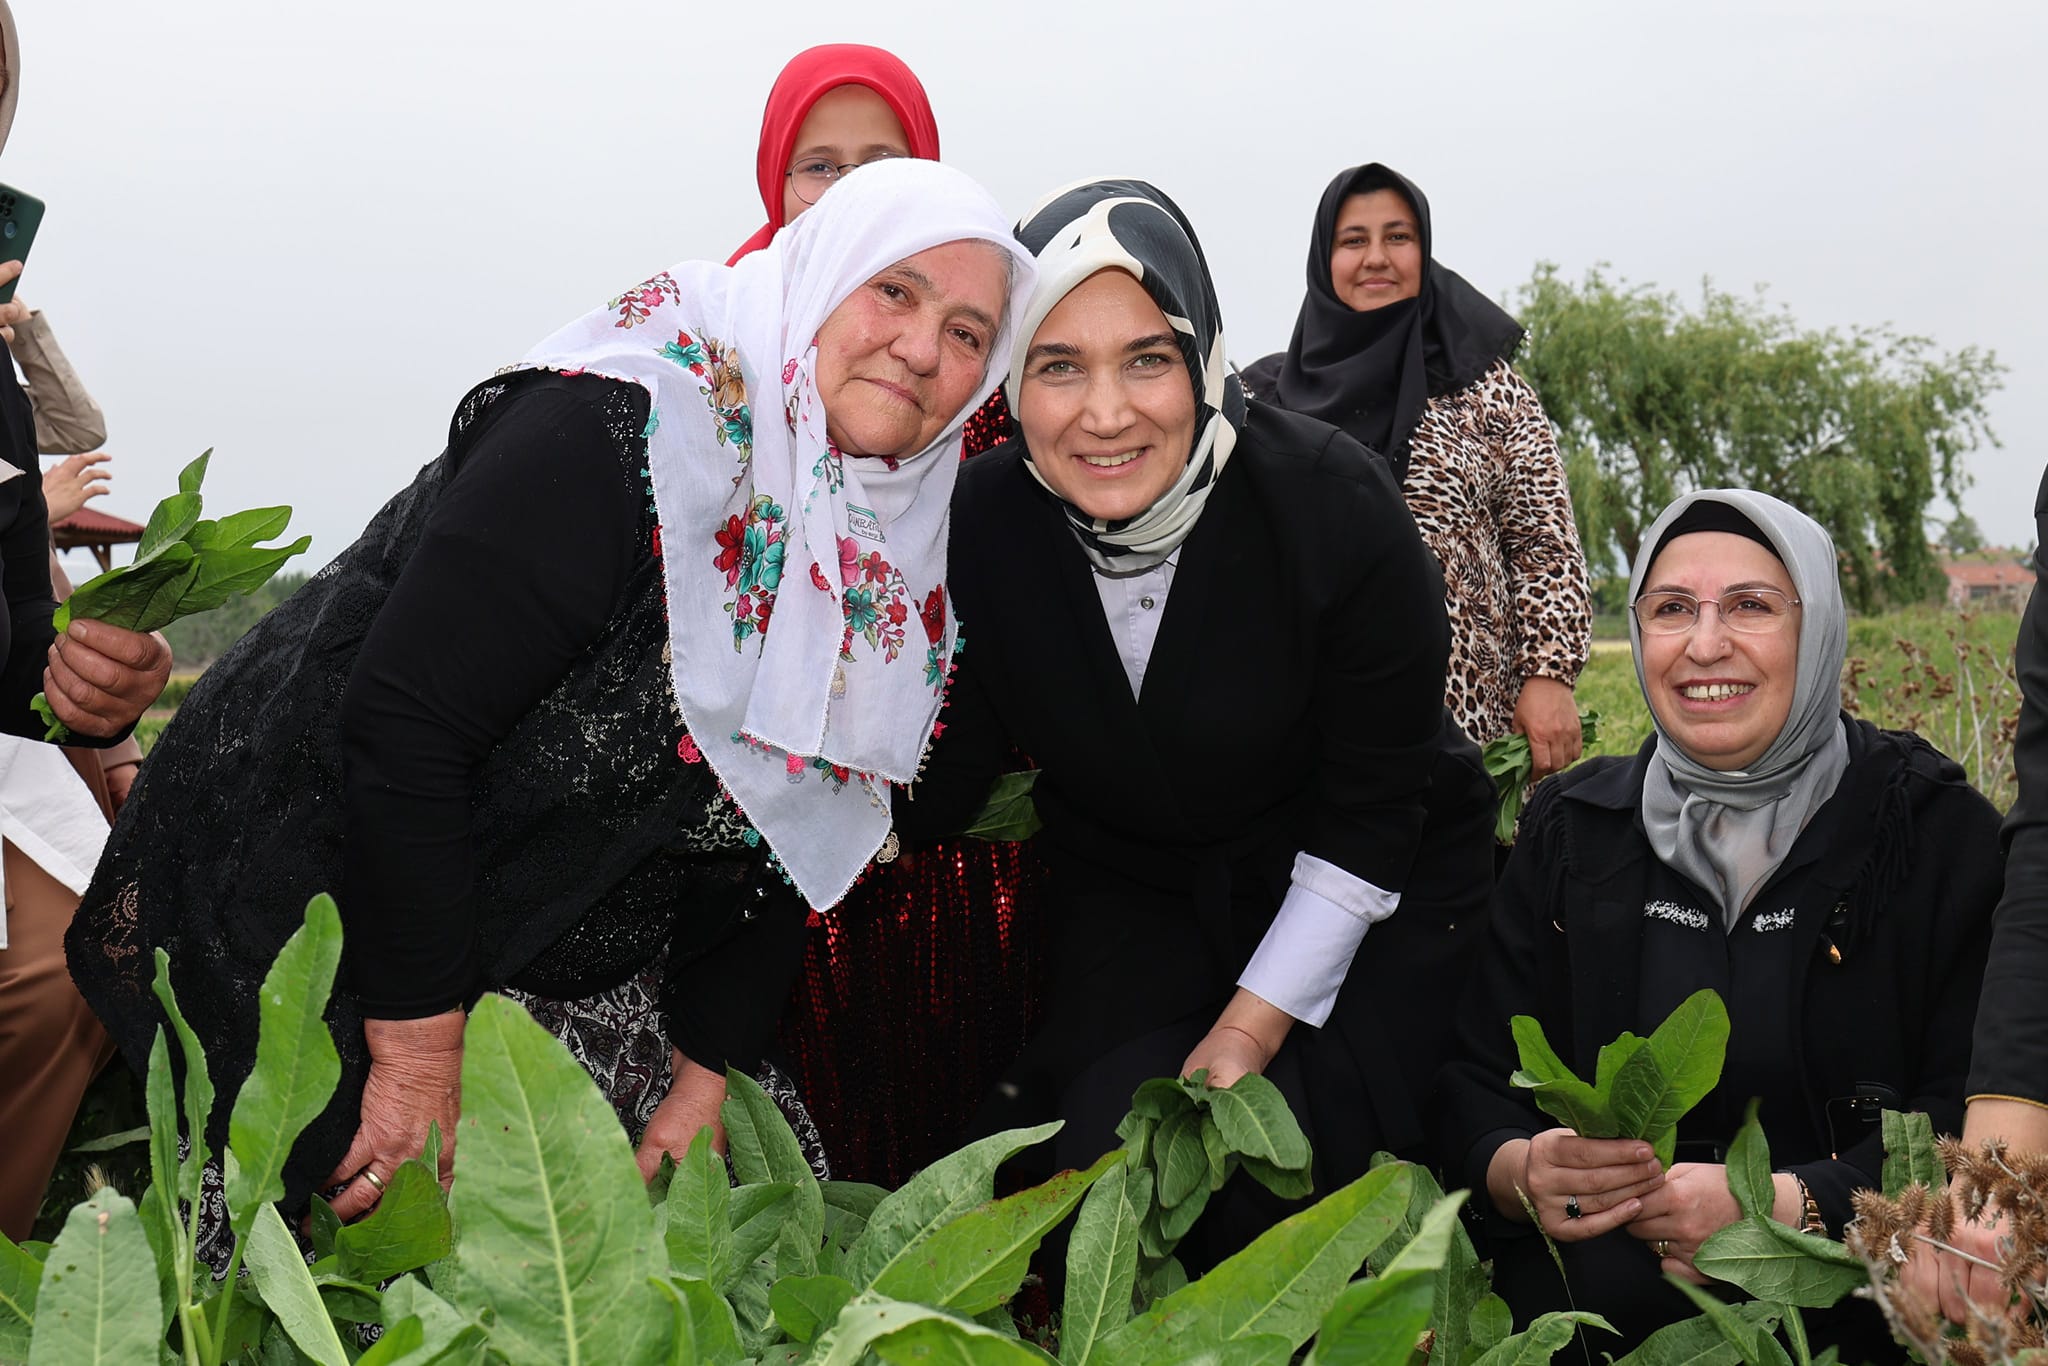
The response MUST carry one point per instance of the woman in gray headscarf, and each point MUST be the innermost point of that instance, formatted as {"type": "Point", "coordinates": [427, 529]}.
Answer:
{"type": "Point", "coordinates": [1834, 882]}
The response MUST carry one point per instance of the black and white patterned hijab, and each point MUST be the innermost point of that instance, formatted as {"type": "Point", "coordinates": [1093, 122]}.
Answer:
{"type": "Point", "coordinates": [1130, 226]}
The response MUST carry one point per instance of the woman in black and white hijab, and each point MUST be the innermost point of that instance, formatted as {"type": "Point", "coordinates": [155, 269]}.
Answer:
{"type": "Point", "coordinates": [1214, 627]}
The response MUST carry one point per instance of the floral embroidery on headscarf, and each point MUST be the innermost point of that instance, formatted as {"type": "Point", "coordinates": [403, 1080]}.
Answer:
{"type": "Point", "coordinates": [724, 389]}
{"type": "Point", "coordinates": [639, 302]}
{"type": "Point", "coordinates": [750, 554]}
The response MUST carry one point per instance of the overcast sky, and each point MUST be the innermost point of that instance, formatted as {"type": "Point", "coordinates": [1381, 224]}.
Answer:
{"type": "Point", "coordinates": [298, 234]}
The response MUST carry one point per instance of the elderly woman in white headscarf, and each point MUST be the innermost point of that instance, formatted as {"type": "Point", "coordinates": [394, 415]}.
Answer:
{"type": "Point", "coordinates": [606, 700]}
{"type": "Point", "coordinates": [1832, 881]}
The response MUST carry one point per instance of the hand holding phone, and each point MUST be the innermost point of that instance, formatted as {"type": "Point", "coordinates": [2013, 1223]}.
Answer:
{"type": "Point", "coordinates": [20, 215]}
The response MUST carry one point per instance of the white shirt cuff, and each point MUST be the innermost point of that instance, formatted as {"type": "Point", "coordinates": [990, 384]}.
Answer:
{"type": "Point", "coordinates": [1307, 951]}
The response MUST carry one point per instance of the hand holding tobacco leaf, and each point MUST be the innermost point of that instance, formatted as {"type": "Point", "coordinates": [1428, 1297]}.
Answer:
{"type": "Point", "coordinates": [182, 566]}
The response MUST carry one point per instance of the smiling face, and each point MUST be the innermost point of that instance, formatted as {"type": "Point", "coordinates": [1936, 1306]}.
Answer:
{"type": "Point", "coordinates": [1722, 695]}
{"type": "Point", "coordinates": [848, 126]}
{"type": "Point", "coordinates": [1106, 403]}
{"type": "Point", "coordinates": [901, 356]}
{"type": "Point", "coordinates": [1377, 259]}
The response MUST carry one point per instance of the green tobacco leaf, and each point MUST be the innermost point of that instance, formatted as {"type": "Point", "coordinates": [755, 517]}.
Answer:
{"type": "Point", "coordinates": [1173, 1224]}
{"type": "Point", "coordinates": [198, 1088]}
{"type": "Point", "coordinates": [1750, 1255]}
{"type": "Point", "coordinates": [1376, 1322]}
{"type": "Point", "coordinates": [1281, 1284]}
{"type": "Point", "coordinates": [107, 1143]}
{"type": "Point", "coordinates": [934, 1197]}
{"type": "Point", "coordinates": [1910, 1154]}
{"type": "Point", "coordinates": [848, 1207]}
{"type": "Point", "coordinates": [1102, 1266]}
{"type": "Point", "coordinates": [1180, 1158]}
{"type": "Point", "coordinates": [1752, 1341]}
{"type": "Point", "coordinates": [1700, 1341]}
{"type": "Point", "coordinates": [977, 1261]}
{"type": "Point", "coordinates": [287, 1288]}
{"type": "Point", "coordinates": [409, 1228]}
{"type": "Point", "coordinates": [239, 530]}
{"type": "Point", "coordinates": [1554, 1087]}
{"type": "Point", "coordinates": [699, 1228]}
{"type": "Point", "coordinates": [402, 1341]}
{"type": "Point", "coordinates": [557, 1240]}
{"type": "Point", "coordinates": [1541, 1340]}
{"type": "Point", "coordinates": [1461, 1282]}
{"type": "Point", "coordinates": [161, 1101]}
{"type": "Point", "coordinates": [167, 1245]}
{"type": "Point", "coordinates": [230, 573]}
{"type": "Point", "coordinates": [136, 597]}
{"type": "Point", "coordinates": [1009, 813]}
{"type": "Point", "coordinates": [761, 1147]}
{"type": "Point", "coordinates": [759, 1213]}
{"type": "Point", "coordinates": [1256, 1122]}
{"type": "Point", "coordinates": [296, 1065]}
{"type": "Point", "coordinates": [705, 1329]}
{"type": "Point", "coordinates": [869, 1319]}
{"type": "Point", "coordinates": [322, 1223]}
{"type": "Point", "coordinates": [805, 1304]}
{"type": "Point", "coordinates": [97, 1301]}
{"type": "Point", "coordinates": [1159, 1098]}
{"type": "Point", "coordinates": [1288, 1185]}
{"type": "Point", "coordinates": [1672, 1073]}
{"type": "Point", "coordinates": [1749, 1167]}
{"type": "Point", "coordinates": [1608, 1065]}
{"type": "Point", "coordinates": [1490, 1322]}
{"type": "Point", "coordinates": [20, 1276]}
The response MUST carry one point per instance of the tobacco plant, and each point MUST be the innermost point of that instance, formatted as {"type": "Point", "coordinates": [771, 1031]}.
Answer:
{"type": "Point", "coordinates": [551, 1248]}
{"type": "Point", "coordinates": [182, 565]}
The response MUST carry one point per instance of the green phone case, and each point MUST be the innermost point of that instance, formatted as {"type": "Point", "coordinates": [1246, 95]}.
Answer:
{"type": "Point", "coordinates": [20, 216]}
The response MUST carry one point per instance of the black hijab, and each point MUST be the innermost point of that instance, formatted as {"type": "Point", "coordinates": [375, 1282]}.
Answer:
{"type": "Point", "coordinates": [1371, 373]}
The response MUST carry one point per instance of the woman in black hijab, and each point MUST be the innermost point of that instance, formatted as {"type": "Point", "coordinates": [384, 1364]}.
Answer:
{"type": "Point", "coordinates": [1411, 360]}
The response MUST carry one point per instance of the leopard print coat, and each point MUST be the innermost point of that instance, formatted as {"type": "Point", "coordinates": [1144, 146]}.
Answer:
{"type": "Point", "coordinates": [1487, 488]}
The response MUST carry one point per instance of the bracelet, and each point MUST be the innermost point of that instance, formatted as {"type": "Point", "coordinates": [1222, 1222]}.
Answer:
{"type": "Point", "coordinates": [1810, 1220]}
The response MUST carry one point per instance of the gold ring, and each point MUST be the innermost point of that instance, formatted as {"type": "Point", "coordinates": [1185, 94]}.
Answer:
{"type": "Point", "coordinates": [1662, 1247]}
{"type": "Point", "coordinates": [374, 1180]}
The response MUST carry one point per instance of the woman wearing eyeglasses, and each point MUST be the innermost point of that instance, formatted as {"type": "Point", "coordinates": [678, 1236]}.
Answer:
{"type": "Point", "coordinates": [1834, 882]}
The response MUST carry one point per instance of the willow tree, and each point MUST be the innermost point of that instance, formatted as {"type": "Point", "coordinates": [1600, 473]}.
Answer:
{"type": "Point", "coordinates": [1862, 430]}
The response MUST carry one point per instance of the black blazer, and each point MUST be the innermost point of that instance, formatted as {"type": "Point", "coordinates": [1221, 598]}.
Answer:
{"type": "Point", "coordinates": [1293, 701]}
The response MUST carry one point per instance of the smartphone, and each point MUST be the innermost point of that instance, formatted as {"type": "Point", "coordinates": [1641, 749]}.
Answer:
{"type": "Point", "coordinates": [20, 216]}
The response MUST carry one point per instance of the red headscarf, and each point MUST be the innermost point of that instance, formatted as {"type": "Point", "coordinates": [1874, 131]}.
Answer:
{"type": "Point", "coordinates": [807, 77]}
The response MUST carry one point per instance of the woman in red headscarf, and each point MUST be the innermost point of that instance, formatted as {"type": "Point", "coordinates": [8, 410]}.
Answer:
{"type": "Point", "coordinates": [918, 988]}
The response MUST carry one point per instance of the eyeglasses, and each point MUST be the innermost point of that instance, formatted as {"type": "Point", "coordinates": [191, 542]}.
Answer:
{"type": "Point", "coordinates": [811, 178]}
{"type": "Point", "coordinates": [1752, 611]}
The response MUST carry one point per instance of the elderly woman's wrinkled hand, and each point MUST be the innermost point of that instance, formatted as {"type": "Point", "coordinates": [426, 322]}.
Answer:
{"type": "Point", "coordinates": [101, 678]}
{"type": "Point", "coordinates": [694, 1096]}
{"type": "Point", "coordinates": [415, 1082]}
{"type": "Point", "coordinates": [1580, 1188]}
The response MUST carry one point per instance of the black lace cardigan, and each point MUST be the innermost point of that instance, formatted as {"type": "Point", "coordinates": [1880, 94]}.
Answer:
{"type": "Point", "coordinates": [593, 847]}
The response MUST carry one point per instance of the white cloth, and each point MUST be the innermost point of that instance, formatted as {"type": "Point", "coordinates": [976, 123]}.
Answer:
{"type": "Point", "coordinates": [808, 721]}
{"type": "Point", "coordinates": [48, 814]}
{"type": "Point", "coordinates": [1302, 961]}
{"type": "Point", "coordinates": [1133, 603]}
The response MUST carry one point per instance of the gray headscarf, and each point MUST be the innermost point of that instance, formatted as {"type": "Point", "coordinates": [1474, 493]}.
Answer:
{"type": "Point", "coordinates": [1729, 830]}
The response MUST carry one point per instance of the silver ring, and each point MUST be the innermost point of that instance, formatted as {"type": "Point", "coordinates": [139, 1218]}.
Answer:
{"type": "Point", "coordinates": [1571, 1207]}
{"type": "Point", "coordinates": [374, 1180]}
{"type": "Point", "coordinates": [1662, 1247]}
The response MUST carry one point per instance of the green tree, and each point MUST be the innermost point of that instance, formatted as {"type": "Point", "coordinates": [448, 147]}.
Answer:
{"type": "Point", "coordinates": [1961, 535]}
{"type": "Point", "coordinates": [1861, 430]}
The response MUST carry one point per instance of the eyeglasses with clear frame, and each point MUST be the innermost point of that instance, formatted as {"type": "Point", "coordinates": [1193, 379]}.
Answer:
{"type": "Point", "coordinates": [1752, 611]}
{"type": "Point", "coordinates": [812, 176]}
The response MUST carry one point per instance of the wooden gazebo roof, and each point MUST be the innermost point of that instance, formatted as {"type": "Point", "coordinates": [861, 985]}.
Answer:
{"type": "Point", "coordinates": [96, 531]}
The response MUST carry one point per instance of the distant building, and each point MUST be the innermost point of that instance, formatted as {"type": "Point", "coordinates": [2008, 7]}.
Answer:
{"type": "Point", "coordinates": [1992, 579]}
{"type": "Point", "coordinates": [96, 531]}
